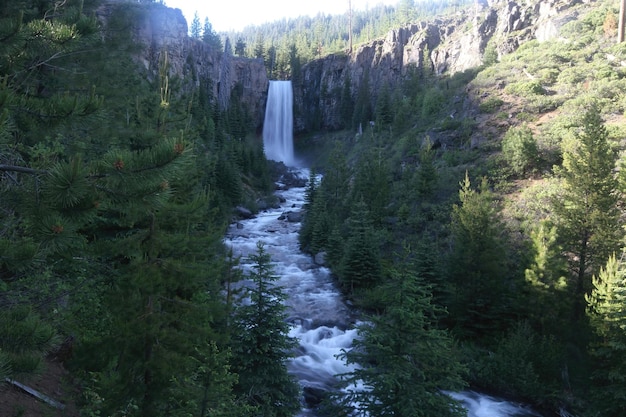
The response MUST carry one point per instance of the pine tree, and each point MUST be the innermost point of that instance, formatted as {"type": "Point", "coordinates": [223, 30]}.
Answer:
{"type": "Point", "coordinates": [40, 222]}
{"type": "Point", "coordinates": [259, 46]}
{"type": "Point", "coordinates": [209, 36]}
{"type": "Point", "coordinates": [107, 206]}
{"type": "Point", "coordinates": [384, 109]}
{"type": "Point", "coordinates": [125, 219]}
{"type": "Point", "coordinates": [587, 209]}
{"type": "Point", "coordinates": [404, 12]}
{"type": "Point", "coordinates": [361, 263]}
{"type": "Point", "coordinates": [295, 64]}
{"type": "Point", "coordinates": [158, 253]}
{"type": "Point", "coordinates": [605, 308]}
{"type": "Point", "coordinates": [362, 114]}
{"type": "Point", "coordinates": [347, 105]}
{"type": "Point", "coordinates": [25, 339]}
{"type": "Point", "coordinates": [240, 47]}
{"type": "Point", "coordinates": [261, 344]}
{"type": "Point", "coordinates": [195, 29]}
{"type": "Point", "coordinates": [427, 67]}
{"type": "Point", "coordinates": [335, 183]}
{"type": "Point", "coordinates": [548, 302]}
{"type": "Point", "coordinates": [477, 264]}
{"type": "Point", "coordinates": [519, 148]}
{"type": "Point", "coordinates": [372, 184]}
{"type": "Point", "coordinates": [426, 174]}
{"type": "Point", "coordinates": [270, 61]}
{"type": "Point", "coordinates": [403, 360]}
{"type": "Point", "coordinates": [322, 219]}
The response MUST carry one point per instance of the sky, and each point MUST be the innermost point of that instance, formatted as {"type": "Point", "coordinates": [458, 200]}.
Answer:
{"type": "Point", "coordinates": [226, 15]}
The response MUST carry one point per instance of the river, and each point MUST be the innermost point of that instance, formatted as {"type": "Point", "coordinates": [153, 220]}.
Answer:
{"type": "Point", "coordinates": [321, 320]}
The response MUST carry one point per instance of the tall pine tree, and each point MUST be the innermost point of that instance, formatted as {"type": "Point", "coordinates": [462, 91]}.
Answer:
{"type": "Point", "coordinates": [361, 263]}
{"type": "Point", "coordinates": [261, 345]}
{"type": "Point", "coordinates": [587, 209]}
{"type": "Point", "coordinates": [403, 360]}
{"type": "Point", "coordinates": [607, 316]}
{"type": "Point", "coordinates": [477, 263]}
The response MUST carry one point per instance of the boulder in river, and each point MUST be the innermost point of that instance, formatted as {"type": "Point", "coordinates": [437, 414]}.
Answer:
{"type": "Point", "coordinates": [294, 216]}
{"type": "Point", "coordinates": [243, 213]}
{"type": "Point", "coordinates": [320, 258]}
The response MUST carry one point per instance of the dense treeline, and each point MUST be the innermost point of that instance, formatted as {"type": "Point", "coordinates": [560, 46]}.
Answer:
{"type": "Point", "coordinates": [501, 229]}
{"type": "Point", "coordinates": [315, 37]}
{"type": "Point", "coordinates": [115, 190]}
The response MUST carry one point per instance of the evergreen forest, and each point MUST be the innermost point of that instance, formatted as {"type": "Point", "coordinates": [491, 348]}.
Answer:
{"type": "Point", "coordinates": [477, 224]}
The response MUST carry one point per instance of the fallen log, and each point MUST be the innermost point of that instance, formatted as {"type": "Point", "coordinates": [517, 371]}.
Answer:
{"type": "Point", "coordinates": [36, 394]}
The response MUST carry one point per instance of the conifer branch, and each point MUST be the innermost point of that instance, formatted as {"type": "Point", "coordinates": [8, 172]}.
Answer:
{"type": "Point", "coordinates": [24, 170]}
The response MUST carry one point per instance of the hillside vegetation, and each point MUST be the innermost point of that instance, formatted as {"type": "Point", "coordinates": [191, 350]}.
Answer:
{"type": "Point", "coordinates": [506, 184]}
{"type": "Point", "coordinates": [116, 186]}
{"type": "Point", "coordinates": [477, 224]}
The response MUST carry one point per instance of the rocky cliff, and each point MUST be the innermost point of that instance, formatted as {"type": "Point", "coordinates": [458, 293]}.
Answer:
{"type": "Point", "coordinates": [452, 44]}
{"type": "Point", "coordinates": [159, 30]}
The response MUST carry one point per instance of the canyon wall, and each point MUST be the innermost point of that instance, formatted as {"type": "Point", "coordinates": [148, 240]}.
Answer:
{"type": "Point", "coordinates": [452, 44]}
{"type": "Point", "coordinates": [161, 30]}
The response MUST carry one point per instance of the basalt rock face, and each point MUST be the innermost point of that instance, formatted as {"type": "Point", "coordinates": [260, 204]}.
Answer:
{"type": "Point", "coordinates": [161, 30]}
{"type": "Point", "coordinates": [452, 44]}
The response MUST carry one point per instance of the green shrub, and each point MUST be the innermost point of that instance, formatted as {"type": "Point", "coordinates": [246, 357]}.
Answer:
{"type": "Point", "coordinates": [549, 75]}
{"type": "Point", "coordinates": [525, 88]}
{"type": "Point", "coordinates": [519, 148]}
{"type": "Point", "coordinates": [572, 76]}
{"type": "Point", "coordinates": [543, 104]}
{"type": "Point", "coordinates": [490, 56]}
{"type": "Point", "coordinates": [449, 123]}
{"type": "Point", "coordinates": [490, 105]}
{"type": "Point", "coordinates": [456, 157]}
{"type": "Point", "coordinates": [432, 102]}
{"type": "Point", "coordinates": [526, 117]}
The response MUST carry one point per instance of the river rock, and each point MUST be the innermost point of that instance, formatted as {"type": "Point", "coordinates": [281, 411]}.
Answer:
{"type": "Point", "coordinates": [320, 258]}
{"type": "Point", "coordinates": [313, 397]}
{"type": "Point", "coordinates": [243, 212]}
{"type": "Point", "coordinates": [294, 216]}
{"type": "Point", "coordinates": [269, 202]}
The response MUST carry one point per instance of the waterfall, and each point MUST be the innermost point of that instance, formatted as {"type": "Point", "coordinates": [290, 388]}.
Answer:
{"type": "Point", "coordinates": [278, 124]}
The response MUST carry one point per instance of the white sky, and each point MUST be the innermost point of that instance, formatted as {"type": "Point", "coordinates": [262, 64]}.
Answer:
{"type": "Point", "coordinates": [225, 15]}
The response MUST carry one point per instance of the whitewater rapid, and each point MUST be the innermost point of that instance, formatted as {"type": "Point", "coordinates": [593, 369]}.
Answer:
{"type": "Point", "coordinates": [321, 320]}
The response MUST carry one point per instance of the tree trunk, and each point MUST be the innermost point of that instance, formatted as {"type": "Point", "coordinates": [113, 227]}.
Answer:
{"type": "Point", "coordinates": [350, 25]}
{"type": "Point", "coordinates": [580, 303]}
{"type": "Point", "coordinates": [620, 29]}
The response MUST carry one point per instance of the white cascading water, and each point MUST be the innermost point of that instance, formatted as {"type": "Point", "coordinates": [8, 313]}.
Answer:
{"type": "Point", "coordinates": [321, 320]}
{"type": "Point", "coordinates": [278, 123]}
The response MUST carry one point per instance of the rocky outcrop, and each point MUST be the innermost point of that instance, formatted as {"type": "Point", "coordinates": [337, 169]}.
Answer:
{"type": "Point", "coordinates": [161, 30]}
{"type": "Point", "coordinates": [452, 44]}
